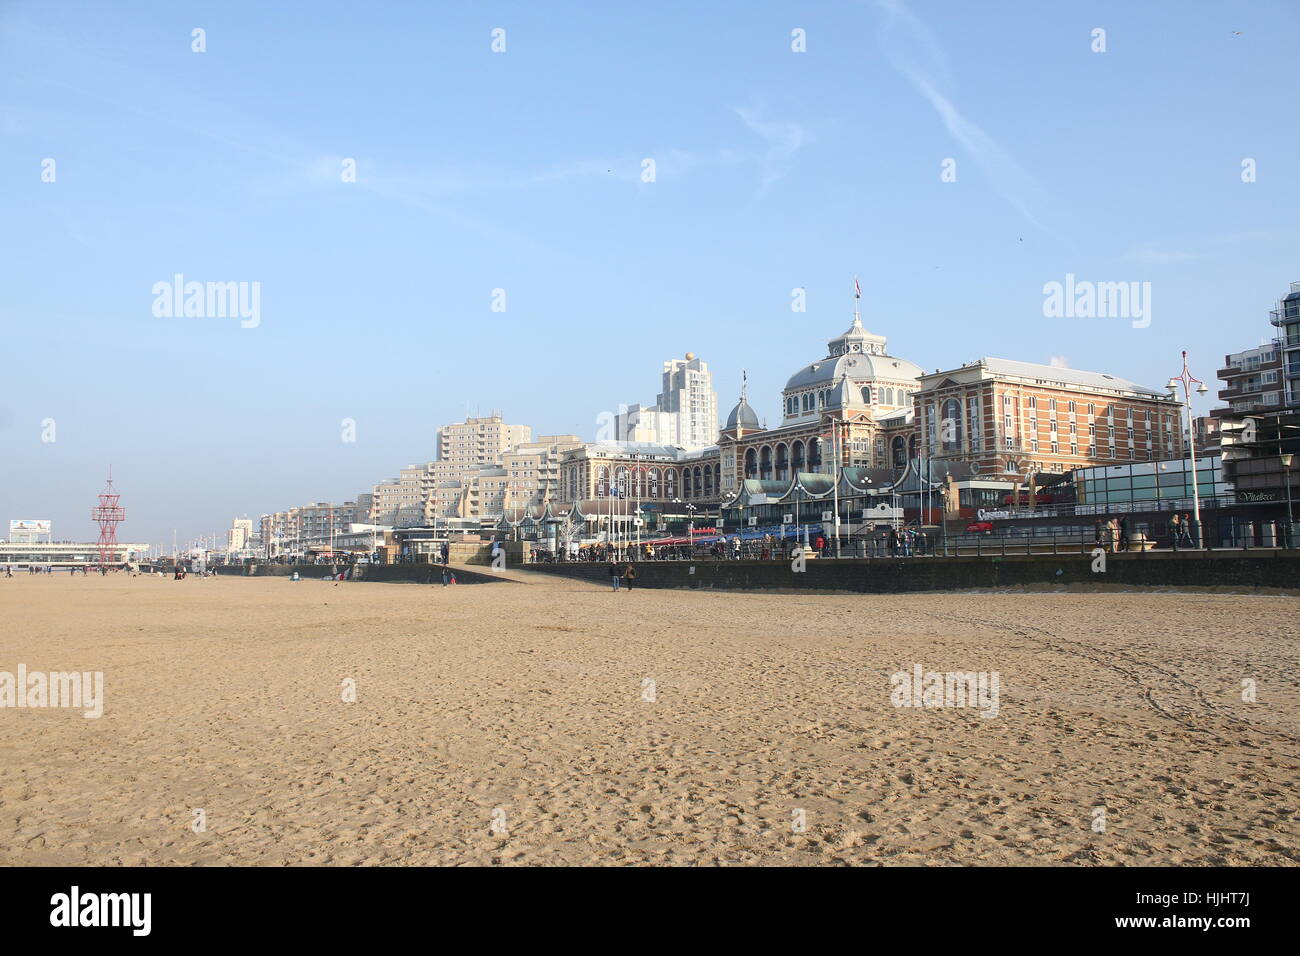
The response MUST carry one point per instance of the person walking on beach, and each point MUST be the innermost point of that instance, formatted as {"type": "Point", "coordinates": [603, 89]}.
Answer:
{"type": "Point", "coordinates": [446, 575]}
{"type": "Point", "coordinates": [613, 574]}
{"type": "Point", "coordinates": [629, 574]}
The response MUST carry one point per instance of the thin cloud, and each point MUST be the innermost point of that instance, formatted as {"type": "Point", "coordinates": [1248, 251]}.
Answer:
{"type": "Point", "coordinates": [783, 140]}
{"type": "Point", "coordinates": [916, 52]}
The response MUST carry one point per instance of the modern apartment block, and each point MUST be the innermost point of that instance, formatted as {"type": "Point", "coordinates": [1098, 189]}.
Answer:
{"type": "Point", "coordinates": [240, 533]}
{"type": "Point", "coordinates": [527, 475]}
{"type": "Point", "coordinates": [478, 442]}
{"type": "Point", "coordinates": [686, 413]}
{"type": "Point", "coordinates": [1286, 318]}
{"type": "Point", "coordinates": [1006, 418]}
{"type": "Point", "coordinates": [310, 526]}
{"type": "Point", "coordinates": [1252, 380]}
{"type": "Point", "coordinates": [1260, 426]}
{"type": "Point", "coordinates": [688, 392]}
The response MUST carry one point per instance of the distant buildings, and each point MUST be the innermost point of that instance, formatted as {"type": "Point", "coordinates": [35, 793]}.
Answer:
{"type": "Point", "coordinates": [957, 440]}
{"type": "Point", "coordinates": [1260, 427]}
{"type": "Point", "coordinates": [239, 535]}
{"type": "Point", "coordinates": [686, 413]}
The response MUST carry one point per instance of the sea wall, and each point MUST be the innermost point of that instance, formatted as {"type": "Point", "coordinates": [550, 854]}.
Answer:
{"type": "Point", "coordinates": [1273, 569]}
{"type": "Point", "coordinates": [407, 573]}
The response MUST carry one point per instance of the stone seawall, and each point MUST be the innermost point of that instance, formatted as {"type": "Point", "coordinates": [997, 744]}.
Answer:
{"type": "Point", "coordinates": [404, 573]}
{"type": "Point", "coordinates": [1272, 569]}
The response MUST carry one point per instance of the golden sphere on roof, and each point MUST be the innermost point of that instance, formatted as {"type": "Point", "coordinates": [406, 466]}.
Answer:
{"type": "Point", "coordinates": [690, 356]}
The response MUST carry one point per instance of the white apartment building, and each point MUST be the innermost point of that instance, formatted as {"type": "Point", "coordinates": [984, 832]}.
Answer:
{"type": "Point", "coordinates": [477, 442]}
{"type": "Point", "coordinates": [686, 413]}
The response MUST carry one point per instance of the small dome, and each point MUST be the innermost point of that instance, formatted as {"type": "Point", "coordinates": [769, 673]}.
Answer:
{"type": "Point", "coordinates": [743, 416]}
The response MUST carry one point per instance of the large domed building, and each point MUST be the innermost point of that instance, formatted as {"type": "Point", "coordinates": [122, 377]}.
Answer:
{"type": "Point", "coordinates": [857, 388]}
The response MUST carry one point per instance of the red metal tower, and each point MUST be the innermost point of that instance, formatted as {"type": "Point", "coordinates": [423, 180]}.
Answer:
{"type": "Point", "coordinates": [109, 514]}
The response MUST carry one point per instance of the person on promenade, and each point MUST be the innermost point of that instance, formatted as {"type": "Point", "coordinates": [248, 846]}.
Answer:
{"type": "Point", "coordinates": [1186, 524]}
{"type": "Point", "coordinates": [1097, 534]}
{"type": "Point", "coordinates": [629, 574]}
{"type": "Point", "coordinates": [1123, 534]}
{"type": "Point", "coordinates": [1175, 530]}
{"type": "Point", "coordinates": [735, 548]}
{"type": "Point", "coordinates": [613, 574]}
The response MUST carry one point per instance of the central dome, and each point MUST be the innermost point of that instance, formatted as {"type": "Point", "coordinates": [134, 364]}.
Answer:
{"type": "Point", "coordinates": [858, 371]}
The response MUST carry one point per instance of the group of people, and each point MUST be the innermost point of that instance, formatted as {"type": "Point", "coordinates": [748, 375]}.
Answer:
{"type": "Point", "coordinates": [1113, 534]}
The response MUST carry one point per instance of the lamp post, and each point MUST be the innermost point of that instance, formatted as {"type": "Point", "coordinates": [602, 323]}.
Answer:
{"type": "Point", "coordinates": [1286, 478]}
{"type": "Point", "coordinates": [1187, 379]}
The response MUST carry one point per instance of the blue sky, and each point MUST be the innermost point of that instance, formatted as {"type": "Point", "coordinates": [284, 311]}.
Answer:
{"type": "Point", "coordinates": [522, 171]}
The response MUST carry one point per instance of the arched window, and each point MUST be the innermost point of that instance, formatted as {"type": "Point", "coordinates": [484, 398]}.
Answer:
{"type": "Point", "coordinates": [621, 482]}
{"type": "Point", "coordinates": [751, 463]}
{"type": "Point", "coordinates": [697, 483]}
{"type": "Point", "coordinates": [1012, 467]}
{"type": "Point", "coordinates": [638, 482]}
{"type": "Point", "coordinates": [782, 462]}
{"type": "Point", "coordinates": [866, 394]}
{"type": "Point", "coordinates": [717, 476]}
{"type": "Point", "coordinates": [950, 425]}
{"type": "Point", "coordinates": [602, 481]}
{"type": "Point", "coordinates": [708, 481]}
{"type": "Point", "coordinates": [796, 457]}
{"type": "Point", "coordinates": [765, 462]}
{"type": "Point", "coordinates": [898, 448]}
{"type": "Point", "coordinates": [670, 482]}
{"type": "Point", "coordinates": [814, 454]}
{"type": "Point", "coordinates": [654, 482]}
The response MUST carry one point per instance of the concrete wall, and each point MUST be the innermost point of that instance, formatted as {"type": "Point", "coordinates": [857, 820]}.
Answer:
{"type": "Point", "coordinates": [409, 573]}
{"type": "Point", "coordinates": [1274, 569]}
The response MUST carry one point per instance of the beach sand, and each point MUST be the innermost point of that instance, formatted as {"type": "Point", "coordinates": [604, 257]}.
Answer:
{"type": "Point", "coordinates": [507, 723]}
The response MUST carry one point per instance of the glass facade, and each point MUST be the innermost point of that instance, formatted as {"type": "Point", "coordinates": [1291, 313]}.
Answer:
{"type": "Point", "coordinates": [1154, 485]}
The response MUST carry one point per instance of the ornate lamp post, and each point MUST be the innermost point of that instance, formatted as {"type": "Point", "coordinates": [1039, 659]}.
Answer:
{"type": "Point", "coordinates": [1187, 379]}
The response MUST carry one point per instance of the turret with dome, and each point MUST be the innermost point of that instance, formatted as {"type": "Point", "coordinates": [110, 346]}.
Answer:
{"type": "Point", "coordinates": [858, 367]}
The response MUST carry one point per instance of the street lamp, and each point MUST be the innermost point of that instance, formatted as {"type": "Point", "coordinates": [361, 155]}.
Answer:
{"type": "Point", "coordinates": [1187, 379]}
{"type": "Point", "coordinates": [1286, 477]}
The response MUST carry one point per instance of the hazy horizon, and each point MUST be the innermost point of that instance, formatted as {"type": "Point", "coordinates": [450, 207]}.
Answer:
{"type": "Point", "coordinates": [523, 171]}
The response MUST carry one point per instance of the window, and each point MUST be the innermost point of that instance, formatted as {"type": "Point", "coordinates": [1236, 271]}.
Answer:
{"type": "Point", "coordinates": [1056, 448]}
{"type": "Point", "coordinates": [1071, 408]}
{"type": "Point", "coordinates": [1052, 404]}
{"type": "Point", "coordinates": [1033, 401]}
{"type": "Point", "coordinates": [1010, 442]}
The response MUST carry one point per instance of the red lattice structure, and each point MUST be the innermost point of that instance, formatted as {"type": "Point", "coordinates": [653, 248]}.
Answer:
{"type": "Point", "coordinates": [109, 514]}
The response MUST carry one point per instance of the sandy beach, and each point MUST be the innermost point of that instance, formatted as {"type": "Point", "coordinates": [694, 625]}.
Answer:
{"type": "Point", "coordinates": [548, 721]}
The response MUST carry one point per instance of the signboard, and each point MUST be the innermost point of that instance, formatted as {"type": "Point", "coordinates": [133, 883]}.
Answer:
{"type": "Point", "coordinates": [993, 515]}
{"type": "Point", "coordinates": [30, 526]}
{"type": "Point", "coordinates": [787, 519]}
{"type": "Point", "coordinates": [1250, 497]}
{"type": "Point", "coordinates": [827, 516]}
{"type": "Point", "coordinates": [753, 521]}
